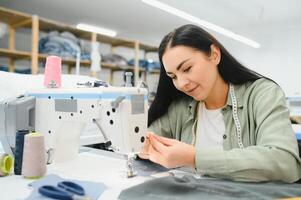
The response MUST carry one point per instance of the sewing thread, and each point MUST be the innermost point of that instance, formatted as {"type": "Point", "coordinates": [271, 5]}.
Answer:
{"type": "Point", "coordinates": [6, 164]}
{"type": "Point", "coordinates": [34, 156]}
{"type": "Point", "coordinates": [19, 151]}
{"type": "Point", "coordinates": [52, 74]}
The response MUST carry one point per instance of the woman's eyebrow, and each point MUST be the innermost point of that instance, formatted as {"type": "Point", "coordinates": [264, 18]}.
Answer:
{"type": "Point", "coordinates": [179, 66]}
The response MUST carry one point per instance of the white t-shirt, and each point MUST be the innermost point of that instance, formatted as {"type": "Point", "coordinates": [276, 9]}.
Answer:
{"type": "Point", "coordinates": [210, 128]}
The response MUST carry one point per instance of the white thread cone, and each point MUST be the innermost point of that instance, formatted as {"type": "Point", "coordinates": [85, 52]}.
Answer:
{"type": "Point", "coordinates": [34, 158]}
{"type": "Point", "coordinates": [95, 57]}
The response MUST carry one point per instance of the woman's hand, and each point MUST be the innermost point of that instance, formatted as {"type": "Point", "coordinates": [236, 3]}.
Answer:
{"type": "Point", "coordinates": [169, 153]}
{"type": "Point", "coordinates": [144, 152]}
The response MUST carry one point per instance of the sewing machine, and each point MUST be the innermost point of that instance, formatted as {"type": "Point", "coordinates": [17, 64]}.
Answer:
{"type": "Point", "coordinates": [294, 105]}
{"type": "Point", "coordinates": [61, 114]}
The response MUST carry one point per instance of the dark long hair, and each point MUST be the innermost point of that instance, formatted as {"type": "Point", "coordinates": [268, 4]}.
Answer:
{"type": "Point", "coordinates": [195, 37]}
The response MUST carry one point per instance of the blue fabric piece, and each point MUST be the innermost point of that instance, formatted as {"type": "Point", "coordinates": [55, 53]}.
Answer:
{"type": "Point", "coordinates": [93, 189]}
{"type": "Point", "coordinates": [63, 44]}
{"type": "Point", "coordinates": [149, 65]}
{"type": "Point", "coordinates": [23, 71]}
{"type": "Point", "coordinates": [4, 68]}
{"type": "Point", "coordinates": [114, 59]}
{"type": "Point", "coordinates": [85, 56]}
{"type": "Point", "coordinates": [20, 71]}
{"type": "Point", "coordinates": [298, 136]}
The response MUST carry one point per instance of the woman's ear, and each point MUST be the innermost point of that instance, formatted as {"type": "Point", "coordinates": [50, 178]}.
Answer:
{"type": "Point", "coordinates": [215, 55]}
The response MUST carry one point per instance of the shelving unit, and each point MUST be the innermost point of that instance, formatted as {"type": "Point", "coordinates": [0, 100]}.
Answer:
{"type": "Point", "coordinates": [15, 20]}
{"type": "Point", "coordinates": [15, 54]}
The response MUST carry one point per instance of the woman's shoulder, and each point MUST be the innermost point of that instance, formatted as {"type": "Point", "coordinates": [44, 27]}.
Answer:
{"type": "Point", "coordinates": [264, 88]}
{"type": "Point", "coordinates": [262, 85]}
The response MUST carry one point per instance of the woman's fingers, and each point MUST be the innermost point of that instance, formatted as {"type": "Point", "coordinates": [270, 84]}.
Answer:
{"type": "Point", "coordinates": [156, 148]}
{"type": "Point", "coordinates": [144, 154]}
{"type": "Point", "coordinates": [155, 156]}
{"type": "Point", "coordinates": [157, 145]}
{"type": "Point", "coordinates": [164, 140]}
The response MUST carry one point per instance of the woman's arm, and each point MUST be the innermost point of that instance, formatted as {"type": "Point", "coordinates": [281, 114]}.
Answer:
{"type": "Point", "coordinates": [275, 156]}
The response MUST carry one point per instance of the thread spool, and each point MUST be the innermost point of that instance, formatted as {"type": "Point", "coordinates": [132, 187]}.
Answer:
{"type": "Point", "coordinates": [34, 156]}
{"type": "Point", "coordinates": [19, 146]}
{"type": "Point", "coordinates": [52, 74]}
{"type": "Point", "coordinates": [95, 57]}
{"type": "Point", "coordinates": [6, 164]}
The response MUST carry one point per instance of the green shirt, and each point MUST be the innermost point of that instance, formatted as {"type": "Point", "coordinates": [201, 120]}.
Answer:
{"type": "Point", "coordinates": [270, 150]}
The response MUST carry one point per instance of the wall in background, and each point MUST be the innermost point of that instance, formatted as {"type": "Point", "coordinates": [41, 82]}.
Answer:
{"type": "Point", "coordinates": [278, 58]}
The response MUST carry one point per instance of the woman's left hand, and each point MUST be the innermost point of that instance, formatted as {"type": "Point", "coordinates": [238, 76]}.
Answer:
{"type": "Point", "coordinates": [170, 153]}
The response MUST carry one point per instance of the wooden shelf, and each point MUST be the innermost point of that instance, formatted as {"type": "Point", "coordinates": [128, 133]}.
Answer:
{"type": "Point", "coordinates": [87, 63]}
{"type": "Point", "coordinates": [14, 54]}
{"type": "Point", "coordinates": [69, 61]}
{"type": "Point", "coordinates": [148, 48]}
{"type": "Point", "coordinates": [16, 19]}
{"type": "Point", "coordinates": [154, 71]}
{"type": "Point", "coordinates": [49, 25]}
{"type": "Point", "coordinates": [13, 17]}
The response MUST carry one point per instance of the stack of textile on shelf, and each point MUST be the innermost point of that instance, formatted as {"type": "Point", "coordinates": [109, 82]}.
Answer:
{"type": "Point", "coordinates": [19, 71]}
{"type": "Point", "coordinates": [147, 64]}
{"type": "Point", "coordinates": [121, 62]}
{"type": "Point", "coordinates": [116, 59]}
{"type": "Point", "coordinates": [65, 45]}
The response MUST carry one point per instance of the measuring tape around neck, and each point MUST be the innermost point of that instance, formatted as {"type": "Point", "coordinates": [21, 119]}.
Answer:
{"type": "Point", "coordinates": [235, 117]}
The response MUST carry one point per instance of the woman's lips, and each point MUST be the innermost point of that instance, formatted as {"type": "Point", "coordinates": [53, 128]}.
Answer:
{"type": "Point", "coordinates": [190, 91]}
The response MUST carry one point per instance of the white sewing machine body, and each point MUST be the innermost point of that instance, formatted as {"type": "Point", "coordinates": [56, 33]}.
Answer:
{"type": "Point", "coordinates": [294, 105]}
{"type": "Point", "coordinates": [61, 114]}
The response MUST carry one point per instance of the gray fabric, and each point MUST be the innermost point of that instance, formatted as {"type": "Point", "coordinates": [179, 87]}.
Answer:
{"type": "Point", "coordinates": [189, 187]}
{"type": "Point", "coordinates": [147, 167]}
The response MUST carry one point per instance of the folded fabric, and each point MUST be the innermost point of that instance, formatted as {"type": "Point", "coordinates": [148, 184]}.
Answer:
{"type": "Point", "coordinates": [19, 71]}
{"type": "Point", "coordinates": [4, 68]}
{"type": "Point", "coordinates": [147, 64]}
{"type": "Point", "coordinates": [114, 59]}
{"type": "Point", "coordinates": [189, 187]}
{"type": "Point", "coordinates": [93, 189]}
{"type": "Point", "coordinates": [63, 44]}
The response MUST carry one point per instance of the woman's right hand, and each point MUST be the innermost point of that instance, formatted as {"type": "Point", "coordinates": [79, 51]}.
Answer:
{"type": "Point", "coordinates": [167, 152]}
{"type": "Point", "coordinates": [144, 152]}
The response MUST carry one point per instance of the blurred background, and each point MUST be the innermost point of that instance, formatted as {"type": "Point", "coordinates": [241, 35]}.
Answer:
{"type": "Point", "coordinates": [272, 26]}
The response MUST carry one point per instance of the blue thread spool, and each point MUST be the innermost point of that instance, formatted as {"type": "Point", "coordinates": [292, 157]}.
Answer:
{"type": "Point", "coordinates": [19, 151]}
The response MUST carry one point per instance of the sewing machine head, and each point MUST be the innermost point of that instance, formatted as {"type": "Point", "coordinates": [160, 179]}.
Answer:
{"type": "Point", "coordinates": [61, 114]}
{"type": "Point", "coordinates": [294, 106]}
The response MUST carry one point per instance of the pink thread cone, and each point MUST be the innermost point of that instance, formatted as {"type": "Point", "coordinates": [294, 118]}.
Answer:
{"type": "Point", "coordinates": [52, 75]}
{"type": "Point", "coordinates": [34, 156]}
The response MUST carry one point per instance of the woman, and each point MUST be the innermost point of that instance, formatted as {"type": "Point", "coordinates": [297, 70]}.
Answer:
{"type": "Point", "coordinates": [217, 116]}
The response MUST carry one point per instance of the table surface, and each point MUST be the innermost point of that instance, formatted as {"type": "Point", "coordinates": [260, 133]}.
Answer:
{"type": "Point", "coordinates": [88, 166]}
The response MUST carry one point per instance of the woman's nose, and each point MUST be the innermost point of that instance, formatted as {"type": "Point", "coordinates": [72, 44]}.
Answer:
{"type": "Point", "coordinates": [182, 83]}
